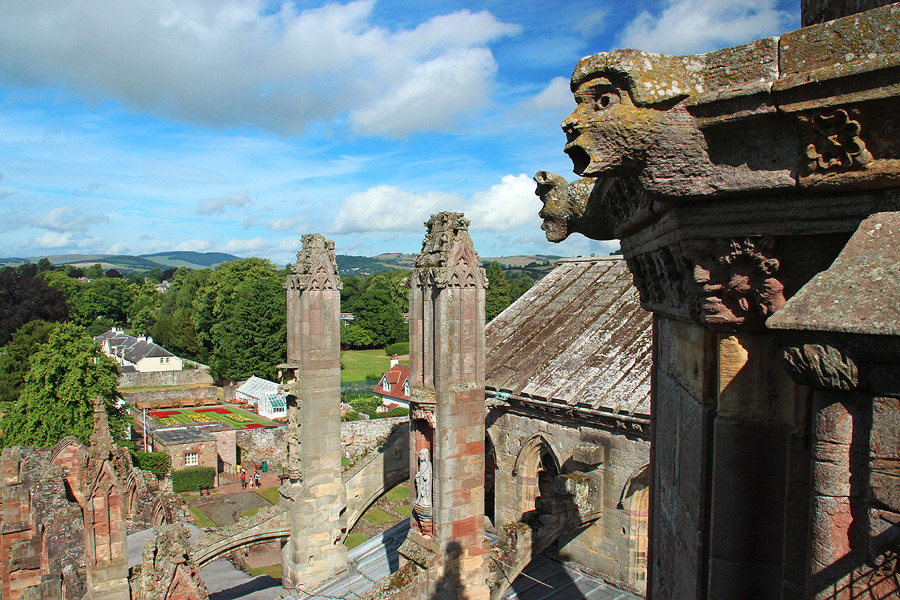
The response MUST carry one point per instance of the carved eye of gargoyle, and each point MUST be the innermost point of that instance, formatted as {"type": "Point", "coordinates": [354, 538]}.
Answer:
{"type": "Point", "coordinates": [599, 94]}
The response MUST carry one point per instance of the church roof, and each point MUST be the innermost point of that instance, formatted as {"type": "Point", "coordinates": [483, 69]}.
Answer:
{"type": "Point", "coordinates": [579, 337]}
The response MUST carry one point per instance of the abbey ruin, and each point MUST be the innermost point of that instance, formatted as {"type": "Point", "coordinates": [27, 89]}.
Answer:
{"type": "Point", "coordinates": [714, 415]}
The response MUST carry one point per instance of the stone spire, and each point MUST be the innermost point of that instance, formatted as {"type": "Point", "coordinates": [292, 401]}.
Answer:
{"type": "Point", "coordinates": [446, 305]}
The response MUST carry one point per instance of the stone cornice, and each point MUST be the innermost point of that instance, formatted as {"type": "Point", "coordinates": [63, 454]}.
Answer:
{"type": "Point", "coordinates": [316, 268]}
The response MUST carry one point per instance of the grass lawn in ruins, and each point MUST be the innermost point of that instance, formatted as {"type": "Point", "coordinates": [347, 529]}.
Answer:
{"type": "Point", "coordinates": [249, 512]}
{"type": "Point", "coordinates": [270, 493]}
{"type": "Point", "coordinates": [376, 516]}
{"type": "Point", "coordinates": [235, 417]}
{"type": "Point", "coordinates": [273, 571]}
{"type": "Point", "coordinates": [355, 539]}
{"type": "Point", "coordinates": [401, 492]}
{"type": "Point", "coordinates": [200, 518]}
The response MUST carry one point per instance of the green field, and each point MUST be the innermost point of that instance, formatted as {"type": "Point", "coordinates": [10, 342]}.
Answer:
{"type": "Point", "coordinates": [273, 571]}
{"type": "Point", "coordinates": [270, 493]}
{"type": "Point", "coordinates": [190, 416]}
{"type": "Point", "coordinates": [355, 539]}
{"type": "Point", "coordinates": [401, 492]}
{"type": "Point", "coordinates": [359, 363]}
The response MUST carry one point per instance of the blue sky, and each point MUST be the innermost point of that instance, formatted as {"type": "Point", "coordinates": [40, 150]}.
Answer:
{"type": "Point", "coordinates": [238, 125]}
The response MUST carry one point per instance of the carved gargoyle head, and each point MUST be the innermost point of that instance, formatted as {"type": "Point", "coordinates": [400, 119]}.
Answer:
{"type": "Point", "coordinates": [624, 99]}
{"type": "Point", "coordinates": [569, 208]}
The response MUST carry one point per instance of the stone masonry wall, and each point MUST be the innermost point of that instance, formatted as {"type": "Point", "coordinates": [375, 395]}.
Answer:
{"type": "Point", "coordinates": [183, 377]}
{"type": "Point", "coordinates": [172, 398]}
{"type": "Point", "coordinates": [357, 437]}
{"type": "Point", "coordinates": [608, 546]}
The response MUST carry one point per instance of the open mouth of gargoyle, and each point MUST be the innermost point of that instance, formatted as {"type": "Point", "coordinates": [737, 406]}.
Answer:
{"type": "Point", "coordinates": [580, 158]}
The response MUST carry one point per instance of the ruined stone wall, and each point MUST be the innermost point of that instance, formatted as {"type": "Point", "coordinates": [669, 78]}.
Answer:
{"type": "Point", "coordinates": [609, 547]}
{"type": "Point", "coordinates": [183, 377]}
{"type": "Point", "coordinates": [819, 11]}
{"type": "Point", "coordinates": [206, 453]}
{"type": "Point", "coordinates": [357, 438]}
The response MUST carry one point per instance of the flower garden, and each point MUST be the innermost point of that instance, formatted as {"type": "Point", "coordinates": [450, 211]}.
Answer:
{"type": "Point", "coordinates": [189, 416]}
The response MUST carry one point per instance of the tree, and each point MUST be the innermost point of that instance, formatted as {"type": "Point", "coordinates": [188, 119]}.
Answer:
{"type": "Point", "coordinates": [497, 296]}
{"type": "Point", "coordinates": [355, 337]}
{"type": "Point", "coordinates": [110, 298]}
{"type": "Point", "coordinates": [15, 361]}
{"type": "Point", "coordinates": [240, 319]}
{"type": "Point", "coordinates": [377, 313]}
{"type": "Point", "coordinates": [94, 271]}
{"type": "Point", "coordinates": [66, 374]}
{"type": "Point", "coordinates": [24, 299]}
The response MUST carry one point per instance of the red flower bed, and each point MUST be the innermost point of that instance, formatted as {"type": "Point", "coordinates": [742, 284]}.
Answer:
{"type": "Point", "coordinates": [253, 426]}
{"type": "Point", "coordinates": [162, 414]}
{"type": "Point", "coordinates": [218, 410]}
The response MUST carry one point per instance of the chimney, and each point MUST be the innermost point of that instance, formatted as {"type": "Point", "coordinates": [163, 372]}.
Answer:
{"type": "Point", "coordinates": [149, 339]}
{"type": "Point", "coordinates": [394, 361]}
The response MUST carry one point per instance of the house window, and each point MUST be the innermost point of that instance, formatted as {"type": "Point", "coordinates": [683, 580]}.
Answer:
{"type": "Point", "coordinates": [191, 459]}
{"type": "Point", "coordinates": [167, 359]}
{"type": "Point", "coordinates": [160, 361]}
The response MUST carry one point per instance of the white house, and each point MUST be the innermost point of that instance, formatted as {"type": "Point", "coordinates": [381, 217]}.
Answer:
{"type": "Point", "coordinates": [138, 353]}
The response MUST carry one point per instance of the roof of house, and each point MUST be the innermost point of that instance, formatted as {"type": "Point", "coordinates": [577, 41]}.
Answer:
{"type": "Point", "coordinates": [180, 435]}
{"type": "Point", "coordinates": [579, 337]}
{"type": "Point", "coordinates": [395, 375]}
{"type": "Point", "coordinates": [133, 349]}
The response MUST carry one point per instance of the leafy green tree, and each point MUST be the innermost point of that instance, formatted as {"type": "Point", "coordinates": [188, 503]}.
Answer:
{"type": "Point", "coordinates": [66, 374]}
{"type": "Point", "coordinates": [142, 312]}
{"type": "Point", "coordinates": [240, 319]}
{"type": "Point", "coordinates": [518, 285]}
{"type": "Point", "coordinates": [355, 337]}
{"type": "Point", "coordinates": [497, 296]}
{"type": "Point", "coordinates": [94, 271]}
{"type": "Point", "coordinates": [45, 265]}
{"type": "Point", "coordinates": [110, 298]}
{"type": "Point", "coordinates": [378, 313]}
{"type": "Point", "coordinates": [15, 359]}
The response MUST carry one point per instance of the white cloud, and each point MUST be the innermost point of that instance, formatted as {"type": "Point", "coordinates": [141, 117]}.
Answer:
{"type": "Point", "coordinates": [187, 246]}
{"type": "Point", "coordinates": [556, 96]}
{"type": "Point", "coordinates": [218, 205]}
{"type": "Point", "coordinates": [66, 218]}
{"type": "Point", "coordinates": [692, 26]}
{"type": "Point", "coordinates": [64, 239]}
{"type": "Point", "coordinates": [285, 223]}
{"type": "Point", "coordinates": [388, 208]}
{"type": "Point", "coordinates": [238, 62]}
{"type": "Point", "coordinates": [253, 247]}
{"type": "Point", "coordinates": [507, 205]}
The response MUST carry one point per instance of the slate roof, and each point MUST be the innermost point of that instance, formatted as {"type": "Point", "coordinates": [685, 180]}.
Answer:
{"type": "Point", "coordinates": [132, 349]}
{"type": "Point", "coordinates": [578, 337]}
{"type": "Point", "coordinates": [396, 375]}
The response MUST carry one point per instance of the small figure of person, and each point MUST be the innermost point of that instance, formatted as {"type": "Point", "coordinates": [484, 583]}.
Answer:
{"type": "Point", "coordinates": [256, 479]}
{"type": "Point", "coordinates": [243, 479]}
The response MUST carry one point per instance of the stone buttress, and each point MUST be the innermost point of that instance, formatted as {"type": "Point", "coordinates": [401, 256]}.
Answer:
{"type": "Point", "coordinates": [447, 409]}
{"type": "Point", "coordinates": [311, 380]}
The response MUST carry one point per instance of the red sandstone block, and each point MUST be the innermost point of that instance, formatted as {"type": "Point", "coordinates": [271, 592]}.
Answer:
{"type": "Point", "coordinates": [463, 528]}
{"type": "Point", "coordinates": [475, 448]}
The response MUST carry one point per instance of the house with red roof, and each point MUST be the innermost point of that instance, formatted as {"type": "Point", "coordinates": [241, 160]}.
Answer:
{"type": "Point", "coordinates": [393, 387]}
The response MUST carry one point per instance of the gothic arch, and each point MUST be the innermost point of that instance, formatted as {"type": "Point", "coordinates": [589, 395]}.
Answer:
{"type": "Point", "coordinates": [635, 500]}
{"type": "Point", "coordinates": [537, 464]}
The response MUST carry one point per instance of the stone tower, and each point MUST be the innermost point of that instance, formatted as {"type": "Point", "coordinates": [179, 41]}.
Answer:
{"type": "Point", "coordinates": [311, 380]}
{"type": "Point", "coordinates": [446, 332]}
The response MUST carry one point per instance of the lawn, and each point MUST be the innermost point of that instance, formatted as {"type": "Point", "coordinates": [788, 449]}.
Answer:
{"type": "Point", "coordinates": [355, 539]}
{"type": "Point", "coordinates": [376, 516]}
{"type": "Point", "coordinates": [207, 414]}
{"type": "Point", "coordinates": [273, 571]}
{"type": "Point", "coordinates": [270, 493]}
{"type": "Point", "coordinates": [359, 363]}
{"type": "Point", "coordinates": [249, 512]}
{"type": "Point", "coordinates": [401, 492]}
{"type": "Point", "coordinates": [200, 518]}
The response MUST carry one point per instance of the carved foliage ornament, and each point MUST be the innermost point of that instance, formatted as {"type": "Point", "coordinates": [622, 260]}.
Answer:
{"type": "Point", "coordinates": [834, 142]}
{"type": "Point", "coordinates": [724, 283]}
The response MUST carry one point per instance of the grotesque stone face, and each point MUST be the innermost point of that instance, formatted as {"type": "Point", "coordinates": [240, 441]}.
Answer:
{"type": "Point", "coordinates": [607, 134]}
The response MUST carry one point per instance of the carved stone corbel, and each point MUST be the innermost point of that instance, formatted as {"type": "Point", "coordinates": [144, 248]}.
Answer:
{"type": "Point", "coordinates": [822, 366]}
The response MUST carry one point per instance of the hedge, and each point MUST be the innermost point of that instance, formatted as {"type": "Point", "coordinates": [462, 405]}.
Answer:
{"type": "Point", "coordinates": [192, 479]}
{"type": "Point", "coordinates": [155, 462]}
{"type": "Point", "coordinates": [399, 348]}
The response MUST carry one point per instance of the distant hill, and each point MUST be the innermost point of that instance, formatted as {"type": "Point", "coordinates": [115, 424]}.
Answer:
{"type": "Point", "coordinates": [534, 265]}
{"type": "Point", "coordinates": [127, 263]}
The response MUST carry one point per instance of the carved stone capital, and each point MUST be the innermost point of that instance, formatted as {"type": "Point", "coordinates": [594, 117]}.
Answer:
{"type": "Point", "coordinates": [822, 366]}
{"type": "Point", "coordinates": [316, 268]}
